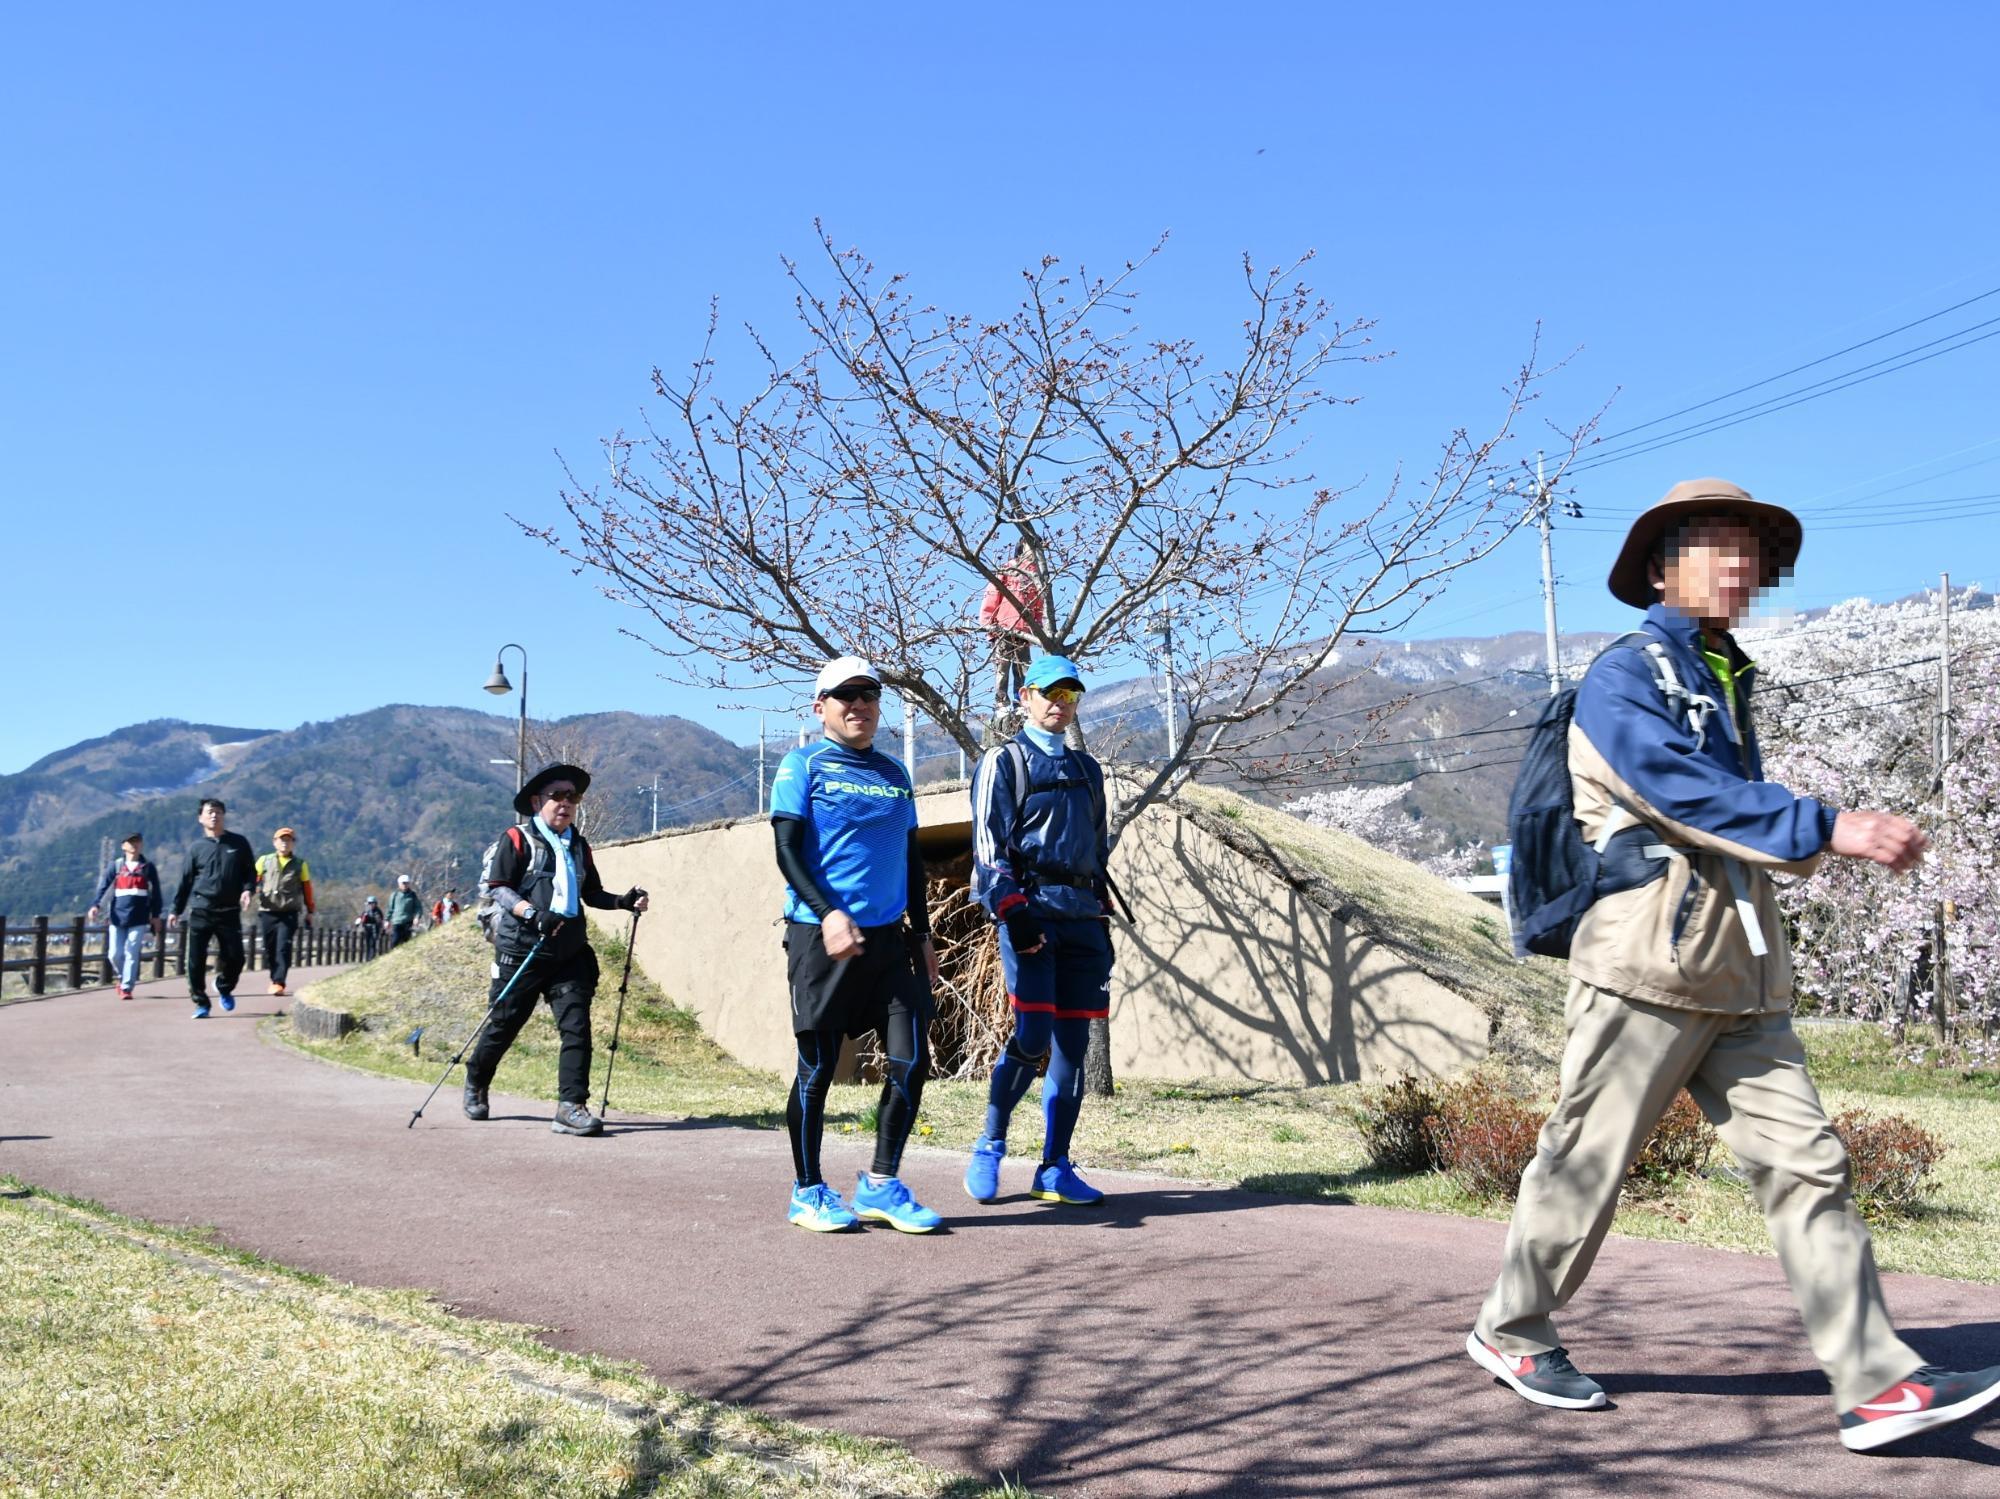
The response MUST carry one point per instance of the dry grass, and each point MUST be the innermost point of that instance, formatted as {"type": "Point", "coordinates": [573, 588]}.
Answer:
{"type": "Point", "coordinates": [142, 1361]}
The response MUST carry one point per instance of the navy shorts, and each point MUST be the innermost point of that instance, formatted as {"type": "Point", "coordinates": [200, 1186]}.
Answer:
{"type": "Point", "coordinates": [1069, 977]}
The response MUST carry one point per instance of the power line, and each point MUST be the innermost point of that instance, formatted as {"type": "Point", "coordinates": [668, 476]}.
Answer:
{"type": "Point", "coordinates": [1929, 317]}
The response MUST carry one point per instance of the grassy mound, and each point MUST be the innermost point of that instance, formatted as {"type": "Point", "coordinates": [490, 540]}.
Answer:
{"type": "Point", "coordinates": [436, 987]}
{"type": "Point", "coordinates": [1455, 939]}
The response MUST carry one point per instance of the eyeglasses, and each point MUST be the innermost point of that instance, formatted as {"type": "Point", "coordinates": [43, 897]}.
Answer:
{"type": "Point", "coordinates": [1065, 696]}
{"type": "Point", "coordinates": [854, 694]}
{"type": "Point", "coordinates": [562, 794]}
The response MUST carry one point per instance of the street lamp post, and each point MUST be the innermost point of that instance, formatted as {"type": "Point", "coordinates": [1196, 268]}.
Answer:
{"type": "Point", "coordinates": [499, 686]}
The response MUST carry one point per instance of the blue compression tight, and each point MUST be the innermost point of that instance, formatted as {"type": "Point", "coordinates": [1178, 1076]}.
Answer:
{"type": "Point", "coordinates": [1062, 1089]}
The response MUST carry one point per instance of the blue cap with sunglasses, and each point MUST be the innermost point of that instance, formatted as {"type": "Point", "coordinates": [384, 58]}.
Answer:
{"type": "Point", "coordinates": [1050, 670]}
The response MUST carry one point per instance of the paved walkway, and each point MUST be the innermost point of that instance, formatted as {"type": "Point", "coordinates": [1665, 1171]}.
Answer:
{"type": "Point", "coordinates": [1180, 1340]}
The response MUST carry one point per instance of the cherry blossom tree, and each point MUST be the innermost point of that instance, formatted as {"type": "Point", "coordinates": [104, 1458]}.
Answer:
{"type": "Point", "coordinates": [1849, 713]}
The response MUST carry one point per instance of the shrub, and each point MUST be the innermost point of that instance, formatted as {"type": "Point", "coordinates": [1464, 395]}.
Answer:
{"type": "Point", "coordinates": [1891, 1158]}
{"type": "Point", "coordinates": [1678, 1147]}
{"type": "Point", "coordinates": [1394, 1121]}
{"type": "Point", "coordinates": [1482, 1138]}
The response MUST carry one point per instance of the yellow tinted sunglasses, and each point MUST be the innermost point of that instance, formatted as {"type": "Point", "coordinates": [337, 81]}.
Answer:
{"type": "Point", "coordinates": [1065, 696]}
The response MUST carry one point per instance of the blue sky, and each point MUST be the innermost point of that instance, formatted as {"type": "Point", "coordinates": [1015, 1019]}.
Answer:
{"type": "Point", "coordinates": [300, 306]}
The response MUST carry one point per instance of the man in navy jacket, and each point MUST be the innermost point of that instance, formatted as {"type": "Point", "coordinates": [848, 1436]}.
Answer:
{"type": "Point", "coordinates": [1686, 980]}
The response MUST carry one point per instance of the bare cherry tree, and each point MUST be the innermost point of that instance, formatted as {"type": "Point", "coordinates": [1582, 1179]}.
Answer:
{"type": "Point", "coordinates": [870, 487]}
{"type": "Point", "coordinates": [860, 494]}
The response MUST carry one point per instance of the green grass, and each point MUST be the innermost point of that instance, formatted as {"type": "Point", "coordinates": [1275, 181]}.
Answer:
{"type": "Point", "coordinates": [1293, 1140]}
{"type": "Point", "coordinates": [139, 1360]}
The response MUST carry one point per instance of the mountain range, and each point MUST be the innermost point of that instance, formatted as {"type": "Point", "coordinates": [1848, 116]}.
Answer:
{"type": "Point", "coordinates": [397, 789]}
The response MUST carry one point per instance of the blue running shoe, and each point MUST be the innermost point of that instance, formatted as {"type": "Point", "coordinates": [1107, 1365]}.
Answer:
{"type": "Point", "coordinates": [201, 1011]}
{"type": "Point", "coordinates": [1057, 1181]}
{"type": "Point", "coordinates": [892, 1204]}
{"type": "Point", "coordinates": [982, 1175]}
{"type": "Point", "coordinates": [820, 1209]}
{"type": "Point", "coordinates": [228, 1002]}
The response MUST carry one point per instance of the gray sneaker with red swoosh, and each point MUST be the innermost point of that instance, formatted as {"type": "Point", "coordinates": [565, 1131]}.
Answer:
{"type": "Point", "coordinates": [1547, 1378]}
{"type": "Point", "coordinates": [1930, 1398]}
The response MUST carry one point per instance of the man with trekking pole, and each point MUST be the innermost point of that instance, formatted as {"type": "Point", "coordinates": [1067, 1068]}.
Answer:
{"type": "Point", "coordinates": [1644, 842]}
{"type": "Point", "coordinates": [537, 878]}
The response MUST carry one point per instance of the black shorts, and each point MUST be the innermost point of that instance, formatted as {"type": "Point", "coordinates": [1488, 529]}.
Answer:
{"type": "Point", "coordinates": [852, 996]}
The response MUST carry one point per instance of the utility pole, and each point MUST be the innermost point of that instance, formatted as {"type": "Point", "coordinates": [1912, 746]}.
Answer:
{"type": "Point", "coordinates": [910, 738]}
{"type": "Point", "coordinates": [1543, 501]}
{"type": "Point", "coordinates": [760, 765]}
{"type": "Point", "coordinates": [655, 789]}
{"type": "Point", "coordinates": [1164, 628]}
{"type": "Point", "coordinates": [1941, 951]}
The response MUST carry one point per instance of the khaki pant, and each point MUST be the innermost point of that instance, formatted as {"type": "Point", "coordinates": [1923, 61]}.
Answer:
{"type": "Point", "coordinates": [1621, 1068]}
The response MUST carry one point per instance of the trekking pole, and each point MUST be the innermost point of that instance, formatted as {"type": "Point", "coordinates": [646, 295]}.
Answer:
{"type": "Point", "coordinates": [1118, 897]}
{"type": "Point", "coordinates": [507, 989]}
{"type": "Point", "coordinates": [604, 1103]}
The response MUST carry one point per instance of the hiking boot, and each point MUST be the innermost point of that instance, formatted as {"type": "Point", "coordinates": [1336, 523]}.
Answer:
{"type": "Point", "coordinates": [475, 1101]}
{"type": "Point", "coordinates": [891, 1203]}
{"type": "Point", "coordinates": [1930, 1398]}
{"type": "Point", "coordinates": [820, 1209]}
{"type": "Point", "coordinates": [576, 1119]}
{"type": "Point", "coordinates": [1057, 1181]}
{"type": "Point", "coordinates": [1545, 1378]}
{"type": "Point", "coordinates": [201, 1009]}
{"type": "Point", "coordinates": [982, 1174]}
{"type": "Point", "coordinates": [228, 1002]}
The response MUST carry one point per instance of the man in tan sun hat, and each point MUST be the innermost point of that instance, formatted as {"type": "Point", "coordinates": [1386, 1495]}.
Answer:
{"type": "Point", "coordinates": [1680, 978]}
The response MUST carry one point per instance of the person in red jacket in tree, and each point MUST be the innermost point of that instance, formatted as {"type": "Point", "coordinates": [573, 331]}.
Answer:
{"type": "Point", "coordinates": [1012, 612]}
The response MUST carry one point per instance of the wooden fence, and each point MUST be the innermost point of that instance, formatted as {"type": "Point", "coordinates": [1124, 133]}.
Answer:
{"type": "Point", "coordinates": [70, 947]}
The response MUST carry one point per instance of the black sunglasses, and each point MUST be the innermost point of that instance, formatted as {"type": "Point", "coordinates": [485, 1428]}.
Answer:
{"type": "Point", "coordinates": [854, 694]}
{"type": "Point", "coordinates": [562, 794]}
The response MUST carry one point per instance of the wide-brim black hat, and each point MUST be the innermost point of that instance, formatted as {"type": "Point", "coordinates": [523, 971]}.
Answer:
{"type": "Point", "coordinates": [1778, 528]}
{"type": "Point", "coordinates": [576, 775]}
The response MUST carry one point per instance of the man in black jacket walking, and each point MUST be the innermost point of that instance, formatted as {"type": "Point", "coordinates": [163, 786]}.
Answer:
{"type": "Point", "coordinates": [538, 876]}
{"type": "Point", "coordinates": [214, 891]}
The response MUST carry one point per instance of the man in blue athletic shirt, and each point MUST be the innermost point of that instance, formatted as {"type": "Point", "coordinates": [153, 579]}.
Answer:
{"type": "Point", "coordinates": [1039, 868]}
{"type": "Point", "coordinates": [844, 816]}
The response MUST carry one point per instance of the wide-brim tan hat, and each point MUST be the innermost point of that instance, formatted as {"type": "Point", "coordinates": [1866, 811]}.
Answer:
{"type": "Point", "coordinates": [1780, 530]}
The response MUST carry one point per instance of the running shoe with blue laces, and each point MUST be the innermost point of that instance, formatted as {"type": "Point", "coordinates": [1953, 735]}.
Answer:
{"type": "Point", "coordinates": [982, 1175]}
{"type": "Point", "coordinates": [891, 1203]}
{"type": "Point", "coordinates": [201, 1011]}
{"type": "Point", "coordinates": [820, 1209]}
{"type": "Point", "coordinates": [229, 1001]}
{"type": "Point", "coordinates": [1057, 1181]}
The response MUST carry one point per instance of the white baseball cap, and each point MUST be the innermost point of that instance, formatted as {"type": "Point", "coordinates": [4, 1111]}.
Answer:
{"type": "Point", "coordinates": [843, 669]}
{"type": "Point", "coordinates": [402, 879]}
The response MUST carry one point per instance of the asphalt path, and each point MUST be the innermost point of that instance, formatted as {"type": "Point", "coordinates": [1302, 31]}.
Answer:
{"type": "Point", "coordinates": [1177, 1340]}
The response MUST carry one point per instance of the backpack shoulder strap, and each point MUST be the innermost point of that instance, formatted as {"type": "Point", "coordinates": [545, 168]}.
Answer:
{"type": "Point", "coordinates": [1018, 758]}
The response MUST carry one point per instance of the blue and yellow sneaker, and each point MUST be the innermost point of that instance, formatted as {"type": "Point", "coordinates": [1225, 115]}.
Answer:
{"type": "Point", "coordinates": [982, 1175]}
{"type": "Point", "coordinates": [820, 1209]}
{"type": "Point", "coordinates": [891, 1203]}
{"type": "Point", "coordinates": [1057, 1181]}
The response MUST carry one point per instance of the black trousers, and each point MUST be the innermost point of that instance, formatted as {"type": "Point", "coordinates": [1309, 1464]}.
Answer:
{"type": "Point", "coordinates": [567, 982]}
{"type": "Point", "coordinates": [399, 934]}
{"type": "Point", "coordinates": [279, 928]}
{"type": "Point", "coordinates": [224, 929]}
